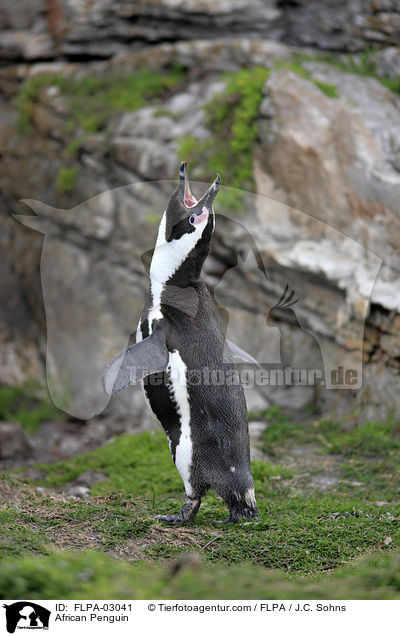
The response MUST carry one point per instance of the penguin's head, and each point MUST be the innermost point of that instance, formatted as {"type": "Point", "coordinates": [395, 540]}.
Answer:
{"type": "Point", "coordinates": [185, 232]}
{"type": "Point", "coordinates": [185, 214]}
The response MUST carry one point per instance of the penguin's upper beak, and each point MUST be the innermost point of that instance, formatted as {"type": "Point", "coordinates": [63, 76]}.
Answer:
{"type": "Point", "coordinates": [186, 194]}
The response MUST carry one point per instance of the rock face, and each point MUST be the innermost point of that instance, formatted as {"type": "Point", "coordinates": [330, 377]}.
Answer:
{"type": "Point", "coordinates": [13, 443]}
{"type": "Point", "coordinates": [324, 216]}
{"type": "Point", "coordinates": [24, 30]}
{"type": "Point", "coordinates": [337, 159]}
{"type": "Point", "coordinates": [21, 341]}
{"type": "Point", "coordinates": [341, 25]}
{"type": "Point", "coordinates": [47, 29]}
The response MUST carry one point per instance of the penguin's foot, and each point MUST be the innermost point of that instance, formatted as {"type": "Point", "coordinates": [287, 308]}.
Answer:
{"type": "Point", "coordinates": [186, 514]}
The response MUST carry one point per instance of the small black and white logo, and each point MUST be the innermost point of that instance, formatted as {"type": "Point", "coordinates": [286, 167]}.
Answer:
{"type": "Point", "coordinates": [26, 615]}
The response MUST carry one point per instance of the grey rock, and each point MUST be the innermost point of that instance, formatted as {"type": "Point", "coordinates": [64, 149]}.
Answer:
{"type": "Point", "coordinates": [343, 150]}
{"type": "Point", "coordinates": [90, 477]}
{"type": "Point", "coordinates": [24, 44]}
{"type": "Point", "coordinates": [20, 339]}
{"type": "Point", "coordinates": [101, 29]}
{"type": "Point", "coordinates": [13, 441]}
{"type": "Point", "coordinates": [77, 492]}
{"type": "Point", "coordinates": [388, 62]}
{"type": "Point", "coordinates": [42, 491]}
{"type": "Point", "coordinates": [256, 431]}
{"type": "Point", "coordinates": [212, 55]}
{"type": "Point", "coordinates": [143, 156]}
{"type": "Point", "coordinates": [34, 473]}
{"type": "Point", "coordinates": [342, 25]}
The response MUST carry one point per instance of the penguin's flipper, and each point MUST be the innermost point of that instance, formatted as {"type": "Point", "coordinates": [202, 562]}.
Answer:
{"type": "Point", "coordinates": [138, 361]}
{"type": "Point", "coordinates": [237, 352]}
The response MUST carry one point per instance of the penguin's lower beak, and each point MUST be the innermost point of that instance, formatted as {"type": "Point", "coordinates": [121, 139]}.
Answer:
{"type": "Point", "coordinates": [208, 198]}
{"type": "Point", "coordinates": [206, 202]}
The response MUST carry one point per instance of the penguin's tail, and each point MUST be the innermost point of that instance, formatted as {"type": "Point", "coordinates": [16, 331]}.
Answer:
{"type": "Point", "coordinates": [242, 505]}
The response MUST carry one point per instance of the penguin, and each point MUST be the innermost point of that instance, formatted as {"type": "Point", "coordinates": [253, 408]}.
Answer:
{"type": "Point", "coordinates": [181, 355]}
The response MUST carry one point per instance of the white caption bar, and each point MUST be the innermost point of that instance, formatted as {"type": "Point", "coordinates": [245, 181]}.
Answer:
{"type": "Point", "coordinates": [175, 617]}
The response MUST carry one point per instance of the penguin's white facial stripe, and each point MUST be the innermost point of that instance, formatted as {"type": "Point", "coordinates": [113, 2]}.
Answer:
{"type": "Point", "coordinates": [169, 255]}
{"type": "Point", "coordinates": [178, 388]}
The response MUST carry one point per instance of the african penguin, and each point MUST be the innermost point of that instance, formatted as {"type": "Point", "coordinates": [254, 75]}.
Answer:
{"type": "Point", "coordinates": [180, 352]}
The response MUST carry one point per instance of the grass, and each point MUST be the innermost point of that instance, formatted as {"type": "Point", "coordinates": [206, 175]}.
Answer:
{"type": "Point", "coordinates": [369, 453]}
{"type": "Point", "coordinates": [29, 405]}
{"type": "Point", "coordinates": [303, 531]}
{"type": "Point", "coordinates": [66, 179]}
{"type": "Point", "coordinates": [89, 574]}
{"type": "Point", "coordinates": [93, 99]}
{"type": "Point", "coordinates": [17, 538]}
{"type": "Point", "coordinates": [140, 464]}
{"type": "Point", "coordinates": [370, 439]}
{"type": "Point", "coordinates": [328, 89]}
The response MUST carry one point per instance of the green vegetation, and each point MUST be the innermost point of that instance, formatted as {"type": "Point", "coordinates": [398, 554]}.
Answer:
{"type": "Point", "coordinates": [369, 453]}
{"type": "Point", "coordinates": [364, 64]}
{"type": "Point", "coordinates": [231, 119]}
{"type": "Point", "coordinates": [371, 439]}
{"type": "Point", "coordinates": [83, 575]}
{"type": "Point", "coordinates": [328, 89]}
{"type": "Point", "coordinates": [19, 538]}
{"type": "Point", "coordinates": [66, 179]}
{"type": "Point", "coordinates": [29, 405]}
{"type": "Point", "coordinates": [91, 102]}
{"type": "Point", "coordinates": [93, 99]}
{"type": "Point", "coordinates": [140, 464]}
{"type": "Point", "coordinates": [296, 67]}
{"type": "Point", "coordinates": [304, 530]}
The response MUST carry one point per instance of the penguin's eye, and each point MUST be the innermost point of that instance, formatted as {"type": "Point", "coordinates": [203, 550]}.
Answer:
{"type": "Point", "coordinates": [192, 219]}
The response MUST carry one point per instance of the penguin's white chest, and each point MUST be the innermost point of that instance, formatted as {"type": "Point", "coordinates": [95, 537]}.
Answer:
{"type": "Point", "coordinates": [178, 388]}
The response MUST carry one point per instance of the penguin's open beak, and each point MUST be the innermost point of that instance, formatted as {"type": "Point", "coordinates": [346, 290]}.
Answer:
{"type": "Point", "coordinates": [188, 197]}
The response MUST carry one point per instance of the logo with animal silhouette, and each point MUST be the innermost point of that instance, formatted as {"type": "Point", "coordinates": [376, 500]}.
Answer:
{"type": "Point", "coordinates": [26, 615]}
{"type": "Point", "coordinates": [284, 311]}
{"type": "Point", "coordinates": [94, 273]}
